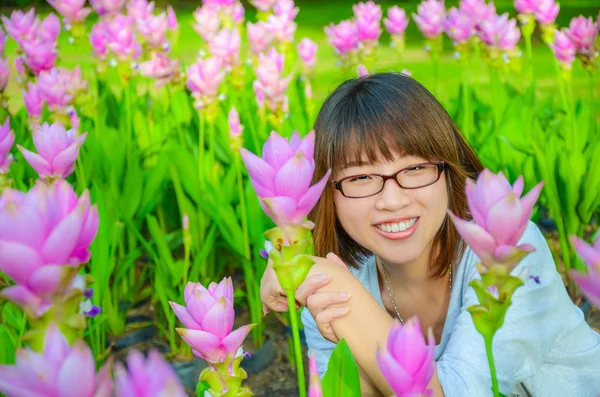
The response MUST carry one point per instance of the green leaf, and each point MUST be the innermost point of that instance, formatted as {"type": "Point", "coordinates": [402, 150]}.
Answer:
{"type": "Point", "coordinates": [341, 378]}
{"type": "Point", "coordinates": [7, 350]}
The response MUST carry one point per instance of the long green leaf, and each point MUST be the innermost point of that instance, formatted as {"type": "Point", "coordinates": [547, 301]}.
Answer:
{"type": "Point", "coordinates": [341, 378]}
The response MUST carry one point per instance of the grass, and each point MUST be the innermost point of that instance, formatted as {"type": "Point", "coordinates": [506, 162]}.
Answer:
{"type": "Point", "coordinates": [314, 16]}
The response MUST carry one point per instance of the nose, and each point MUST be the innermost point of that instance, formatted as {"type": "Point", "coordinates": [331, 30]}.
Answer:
{"type": "Point", "coordinates": [392, 197]}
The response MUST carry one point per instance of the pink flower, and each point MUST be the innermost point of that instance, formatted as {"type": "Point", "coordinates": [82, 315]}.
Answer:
{"type": "Point", "coordinates": [71, 10]}
{"type": "Point", "coordinates": [396, 22]}
{"type": "Point", "coordinates": [547, 12]}
{"type": "Point", "coordinates": [281, 28]}
{"type": "Point", "coordinates": [582, 32]}
{"type": "Point", "coordinates": [235, 128]}
{"type": "Point", "coordinates": [219, 3]}
{"type": "Point", "coordinates": [458, 25]}
{"type": "Point", "coordinates": [139, 9]}
{"type": "Point", "coordinates": [153, 28]}
{"type": "Point", "coordinates": [39, 56]}
{"type": "Point", "coordinates": [477, 10]}
{"type": "Point", "coordinates": [563, 48]}
{"type": "Point", "coordinates": [285, 9]}
{"type": "Point", "coordinates": [57, 151]}
{"type": "Point", "coordinates": [343, 36]}
{"type": "Point", "coordinates": [7, 139]}
{"type": "Point", "coordinates": [407, 361]}
{"type": "Point", "coordinates": [590, 282]}
{"type": "Point", "coordinates": [368, 10]}
{"type": "Point", "coordinates": [526, 6]}
{"type": "Point", "coordinates": [52, 86]}
{"type": "Point", "coordinates": [99, 39]}
{"type": "Point", "coordinates": [161, 68]}
{"type": "Point", "coordinates": [430, 18]}
{"type": "Point", "coordinates": [225, 46]}
{"type": "Point", "coordinates": [45, 234]}
{"type": "Point", "coordinates": [3, 39]}
{"type": "Point", "coordinates": [362, 71]}
{"type": "Point", "coordinates": [314, 387]}
{"type": "Point", "coordinates": [271, 84]}
{"type": "Point", "coordinates": [33, 101]}
{"type": "Point", "coordinates": [258, 36]}
{"type": "Point", "coordinates": [368, 20]}
{"type": "Point", "coordinates": [207, 22]}
{"type": "Point", "coordinates": [500, 216]}
{"type": "Point", "coordinates": [4, 73]}
{"type": "Point", "coordinates": [147, 377]}
{"type": "Point", "coordinates": [237, 13]}
{"type": "Point", "coordinates": [171, 19]}
{"type": "Point", "coordinates": [208, 317]}
{"type": "Point", "coordinates": [307, 50]}
{"type": "Point", "coordinates": [204, 78]}
{"type": "Point", "coordinates": [73, 81]}
{"type": "Point", "coordinates": [263, 5]}
{"type": "Point", "coordinates": [49, 29]}
{"type": "Point", "coordinates": [282, 177]}
{"type": "Point", "coordinates": [107, 7]}
{"type": "Point", "coordinates": [21, 26]}
{"type": "Point", "coordinates": [59, 371]}
{"type": "Point", "coordinates": [499, 32]}
{"type": "Point", "coordinates": [120, 38]}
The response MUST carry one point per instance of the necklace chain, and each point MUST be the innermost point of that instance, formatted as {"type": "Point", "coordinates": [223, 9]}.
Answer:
{"type": "Point", "coordinates": [387, 285]}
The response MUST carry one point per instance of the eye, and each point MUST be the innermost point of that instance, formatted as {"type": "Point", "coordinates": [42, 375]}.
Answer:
{"type": "Point", "coordinates": [415, 169]}
{"type": "Point", "coordinates": [360, 178]}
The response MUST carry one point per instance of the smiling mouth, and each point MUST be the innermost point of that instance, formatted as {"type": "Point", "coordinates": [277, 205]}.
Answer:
{"type": "Point", "coordinates": [395, 227]}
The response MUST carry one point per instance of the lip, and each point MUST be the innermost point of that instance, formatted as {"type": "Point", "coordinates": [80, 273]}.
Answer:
{"type": "Point", "coordinates": [398, 235]}
{"type": "Point", "coordinates": [396, 220]}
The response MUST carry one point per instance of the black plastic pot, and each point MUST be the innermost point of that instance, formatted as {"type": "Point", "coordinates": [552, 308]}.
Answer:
{"type": "Point", "coordinates": [260, 359]}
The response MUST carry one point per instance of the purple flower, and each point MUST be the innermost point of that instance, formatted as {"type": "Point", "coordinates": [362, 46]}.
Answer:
{"type": "Point", "coordinates": [396, 22]}
{"type": "Point", "coordinates": [59, 371]}
{"type": "Point", "coordinates": [407, 361]}
{"type": "Point", "coordinates": [590, 282]}
{"type": "Point", "coordinates": [49, 29]}
{"type": "Point", "coordinates": [171, 19]}
{"type": "Point", "coordinates": [430, 18]}
{"type": "Point", "coordinates": [208, 317]}
{"type": "Point", "coordinates": [57, 151]}
{"type": "Point", "coordinates": [45, 234]}
{"type": "Point", "coordinates": [120, 38]}
{"type": "Point", "coordinates": [139, 9]}
{"type": "Point", "coordinates": [263, 5]}
{"type": "Point", "coordinates": [285, 9]}
{"type": "Point", "coordinates": [282, 177]}
{"type": "Point", "coordinates": [500, 216]}
{"type": "Point", "coordinates": [7, 139]}
{"type": "Point", "coordinates": [147, 377]}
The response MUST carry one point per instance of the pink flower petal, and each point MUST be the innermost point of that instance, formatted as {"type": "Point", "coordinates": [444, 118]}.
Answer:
{"type": "Point", "coordinates": [63, 239]}
{"type": "Point", "coordinates": [260, 171]}
{"type": "Point", "coordinates": [589, 285]}
{"type": "Point", "coordinates": [219, 319]}
{"type": "Point", "coordinates": [294, 177]}
{"type": "Point", "coordinates": [276, 151]}
{"type": "Point", "coordinates": [307, 147]}
{"type": "Point", "coordinates": [56, 347]}
{"type": "Point", "coordinates": [206, 344]}
{"type": "Point", "coordinates": [64, 161]}
{"type": "Point", "coordinates": [476, 237]}
{"type": "Point", "coordinates": [234, 340]}
{"type": "Point", "coordinates": [474, 204]}
{"type": "Point", "coordinates": [588, 253]}
{"type": "Point", "coordinates": [199, 304]}
{"type": "Point", "coordinates": [280, 209]}
{"type": "Point", "coordinates": [224, 289]}
{"type": "Point", "coordinates": [39, 164]}
{"type": "Point", "coordinates": [503, 220]}
{"type": "Point", "coordinates": [22, 297]}
{"type": "Point", "coordinates": [510, 256]}
{"type": "Point", "coordinates": [399, 380]}
{"type": "Point", "coordinates": [77, 373]}
{"type": "Point", "coordinates": [184, 317]}
{"type": "Point", "coordinates": [311, 197]}
{"type": "Point", "coordinates": [18, 261]}
{"type": "Point", "coordinates": [45, 280]}
{"type": "Point", "coordinates": [527, 203]}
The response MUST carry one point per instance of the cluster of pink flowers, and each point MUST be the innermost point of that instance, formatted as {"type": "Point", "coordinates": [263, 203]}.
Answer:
{"type": "Point", "coordinates": [280, 24]}
{"type": "Point", "coordinates": [117, 37]}
{"type": "Point", "coordinates": [430, 18]}
{"type": "Point", "coordinates": [577, 40]}
{"type": "Point", "coordinates": [73, 11]}
{"type": "Point", "coordinates": [544, 11]}
{"type": "Point", "coordinates": [215, 15]}
{"type": "Point", "coordinates": [499, 32]}
{"type": "Point", "coordinates": [36, 39]}
{"type": "Point", "coordinates": [204, 79]}
{"type": "Point", "coordinates": [270, 85]}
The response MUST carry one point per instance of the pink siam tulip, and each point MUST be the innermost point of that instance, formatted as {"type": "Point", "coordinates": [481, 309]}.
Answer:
{"type": "Point", "coordinates": [307, 50]}
{"type": "Point", "coordinates": [396, 22]}
{"type": "Point", "coordinates": [59, 370]}
{"type": "Point", "coordinates": [563, 48]}
{"type": "Point", "coordinates": [286, 9]}
{"type": "Point", "coordinates": [219, 3]}
{"type": "Point", "coordinates": [258, 36]}
{"type": "Point", "coordinates": [208, 317]}
{"type": "Point", "coordinates": [107, 7]}
{"type": "Point", "coordinates": [407, 361]}
{"type": "Point", "coordinates": [368, 21]}
{"type": "Point", "coordinates": [99, 39]}
{"type": "Point", "coordinates": [314, 387]}
{"type": "Point", "coordinates": [430, 18]}
{"type": "Point", "coordinates": [172, 23]}
{"type": "Point", "coordinates": [53, 87]}
{"type": "Point", "coordinates": [526, 6]}
{"type": "Point", "coordinates": [235, 128]}
{"type": "Point", "coordinates": [459, 26]}
{"type": "Point", "coordinates": [147, 377]}
{"type": "Point", "coordinates": [547, 12]}
{"type": "Point", "coordinates": [34, 103]}
{"type": "Point", "coordinates": [280, 28]}
{"type": "Point", "coordinates": [207, 22]}
{"type": "Point", "coordinates": [139, 9]}
{"type": "Point", "coordinates": [343, 36]}
{"type": "Point", "coordinates": [49, 29]}
{"type": "Point", "coordinates": [7, 139]}
{"type": "Point", "coordinates": [263, 5]}
{"type": "Point", "coordinates": [225, 46]}
{"type": "Point", "coordinates": [57, 151]}
{"type": "Point", "coordinates": [73, 81]}
{"type": "Point", "coordinates": [3, 39]}
{"type": "Point", "coordinates": [477, 10]}
{"type": "Point", "coordinates": [45, 234]}
{"type": "Point", "coordinates": [590, 282]}
{"type": "Point", "coordinates": [582, 32]}
{"type": "Point", "coordinates": [282, 177]}
{"type": "Point", "coordinates": [154, 29]}
{"type": "Point", "coordinates": [71, 10]}
{"type": "Point", "coordinates": [270, 82]}
{"type": "Point", "coordinates": [203, 79]}
{"type": "Point", "coordinates": [501, 218]}
{"type": "Point", "coordinates": [368, 10]}
{"type": "Point", "coordinates": [161, 68]}
{"type": "Point", "coordinates": [120, 38]}
{"type": "Point", "coordinates": [21, 26]}
{"type": "Point", "coordinates": [237, 13]}
{"type": "Point", "coordinates": [39, 56]}
{"type": "Point", "coordinates": [500, 32]}
{"type": "Point", "coordinates": [4, 73]}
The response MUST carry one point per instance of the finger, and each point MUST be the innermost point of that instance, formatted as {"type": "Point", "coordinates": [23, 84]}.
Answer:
{"type": "Point", "coordinates": [336, 259]}
{"type": "Point", "coordinates": [310, 285]}
{"type": "Point", "coordinates": [326, 317]}
{"type": "Point", "coordinates": [322, 300]}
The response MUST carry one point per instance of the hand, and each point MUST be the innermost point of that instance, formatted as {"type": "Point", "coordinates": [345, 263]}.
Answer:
{"type": "Point", "coordinates": [324, 306]}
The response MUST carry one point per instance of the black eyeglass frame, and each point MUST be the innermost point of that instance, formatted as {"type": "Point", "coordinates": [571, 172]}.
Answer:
{"type": "Point", "coordinates": [441, 166]}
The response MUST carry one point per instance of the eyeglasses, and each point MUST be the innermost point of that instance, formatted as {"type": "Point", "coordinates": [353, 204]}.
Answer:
{"type": "Point", "coordinates": [413, 177]}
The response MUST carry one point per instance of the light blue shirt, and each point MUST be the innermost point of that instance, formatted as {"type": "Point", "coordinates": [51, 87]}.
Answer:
{"type": "Point", "coordinates": [544, 349]}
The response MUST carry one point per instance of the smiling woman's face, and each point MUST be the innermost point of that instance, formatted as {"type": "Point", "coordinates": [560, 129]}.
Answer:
{"type": "Point", "coordinates": [397, 224]}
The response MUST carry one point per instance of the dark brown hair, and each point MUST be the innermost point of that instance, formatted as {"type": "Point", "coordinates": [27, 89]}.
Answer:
{"type": "Point", "coordinates": [371, 118]}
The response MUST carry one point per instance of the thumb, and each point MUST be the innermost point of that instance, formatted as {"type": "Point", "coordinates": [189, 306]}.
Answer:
{"type": "Point", "coordinates": [334, 258]}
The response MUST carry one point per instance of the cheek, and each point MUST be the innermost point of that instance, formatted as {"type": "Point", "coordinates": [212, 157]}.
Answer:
{"type": "Point", "coordinates": [350, 213]}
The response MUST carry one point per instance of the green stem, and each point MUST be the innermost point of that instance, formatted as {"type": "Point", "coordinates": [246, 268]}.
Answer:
{"type": "Point", "coordinates": [529, 67]}
{"type": "Point", "coordinates": [490, 356]}
{"type": "Point", "coordinates": [563, 96]}
{"type": "Point", "coordinates": [466, 94]}
{"type": "Point", "coordinates": [592, 114]}
{"type": "Point", "coordinates": [297, 347]}
{"type": "Point", "coordinates": [200, 147]}
{"type": "Point", "coordinates": [496, 105]}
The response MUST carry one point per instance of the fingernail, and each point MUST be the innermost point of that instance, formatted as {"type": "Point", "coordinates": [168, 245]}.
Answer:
{"type": "Point", "coordinates": [344, 295]}
{"type": "Point", "coordinates": [323, 276]}
{"type": "Point", "coordinates": [343, 310]}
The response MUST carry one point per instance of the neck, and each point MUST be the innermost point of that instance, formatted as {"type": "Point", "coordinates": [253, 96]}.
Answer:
{"type": "Point", "coordinates": [410, 274]}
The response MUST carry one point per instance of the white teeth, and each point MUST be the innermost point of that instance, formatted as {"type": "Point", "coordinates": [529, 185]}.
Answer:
{"type": "Point", "coordinates": [397, 227]}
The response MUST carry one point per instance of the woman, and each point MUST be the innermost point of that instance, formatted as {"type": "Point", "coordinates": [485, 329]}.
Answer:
{"type": "Point", "coordinates": [398, 164]}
